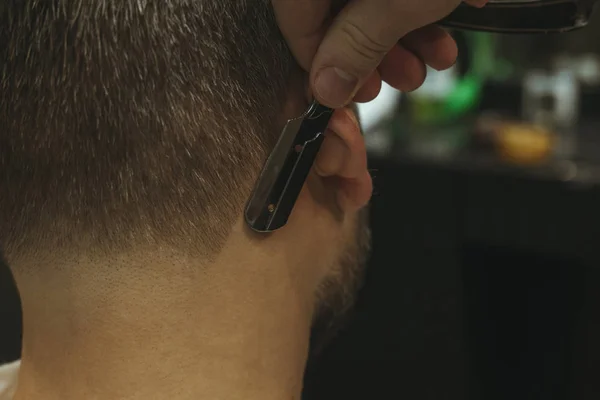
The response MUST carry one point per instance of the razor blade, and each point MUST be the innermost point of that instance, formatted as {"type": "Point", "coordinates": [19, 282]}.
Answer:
{"type": "Point", "coordinates": [286, 170]}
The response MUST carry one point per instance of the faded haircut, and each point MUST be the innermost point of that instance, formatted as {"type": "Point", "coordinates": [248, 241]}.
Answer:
{"type": "Point", "coordinates": [127, 122]}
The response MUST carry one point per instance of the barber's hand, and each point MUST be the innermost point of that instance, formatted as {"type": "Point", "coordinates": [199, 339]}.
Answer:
{"type": "Point", "coordinates": [366, 42]}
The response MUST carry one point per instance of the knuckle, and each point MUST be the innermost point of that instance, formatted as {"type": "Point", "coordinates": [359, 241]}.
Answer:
{"type": "Point", "coordinates": [364, 46]}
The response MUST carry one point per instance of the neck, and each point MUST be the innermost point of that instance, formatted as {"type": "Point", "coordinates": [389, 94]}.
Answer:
{"type": "Point", "coordinates": [145, 334]}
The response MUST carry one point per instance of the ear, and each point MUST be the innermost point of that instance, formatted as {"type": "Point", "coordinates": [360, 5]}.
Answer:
{"type": "Point", "coordinates": [343, 156]}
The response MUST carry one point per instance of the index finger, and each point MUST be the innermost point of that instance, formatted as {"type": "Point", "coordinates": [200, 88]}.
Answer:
{"type": "Point", "coordinates": [303, 24]}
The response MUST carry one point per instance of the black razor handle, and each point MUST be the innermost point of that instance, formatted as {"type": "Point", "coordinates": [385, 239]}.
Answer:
{"type": "Point", "coordinates": [527, 16]}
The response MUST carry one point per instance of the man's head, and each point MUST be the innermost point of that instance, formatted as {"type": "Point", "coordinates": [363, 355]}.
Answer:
{"type": "Point", "coordinates": [128, 121]}
{"type": "Point", "coordinates": [133, 133]}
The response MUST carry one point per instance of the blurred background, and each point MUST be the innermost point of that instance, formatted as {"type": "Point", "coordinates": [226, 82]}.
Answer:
{"type": "Point", "coordinates": [484, 281]}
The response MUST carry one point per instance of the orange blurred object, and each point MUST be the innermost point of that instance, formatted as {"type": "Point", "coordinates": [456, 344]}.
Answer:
{"type": "Point", "coordinates": [524, 143]}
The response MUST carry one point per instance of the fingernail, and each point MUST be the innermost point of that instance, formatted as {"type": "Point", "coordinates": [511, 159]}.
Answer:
{"type": "Point", "coordinates": [335, 86]}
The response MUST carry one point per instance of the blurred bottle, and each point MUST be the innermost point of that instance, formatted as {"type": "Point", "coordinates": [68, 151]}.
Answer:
{"type": "Point", "coordinates": [551, 101]}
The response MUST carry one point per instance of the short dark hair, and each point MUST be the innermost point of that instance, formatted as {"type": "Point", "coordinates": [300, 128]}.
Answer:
{"type": "Point", "coordinates": [127, 121]}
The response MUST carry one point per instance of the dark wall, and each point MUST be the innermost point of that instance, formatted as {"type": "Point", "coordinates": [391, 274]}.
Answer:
{"type": "Point", "coordinates": [483, 285]}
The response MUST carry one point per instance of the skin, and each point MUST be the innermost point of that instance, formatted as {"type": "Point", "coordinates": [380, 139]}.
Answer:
{"type": "Point", "coordinates": [155, 323]}
{"type": "Point", "coordinates": [368, 41]}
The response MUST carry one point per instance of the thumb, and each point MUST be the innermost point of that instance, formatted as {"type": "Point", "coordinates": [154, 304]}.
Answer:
{"type": "Point", "coordinates": [360, 37]}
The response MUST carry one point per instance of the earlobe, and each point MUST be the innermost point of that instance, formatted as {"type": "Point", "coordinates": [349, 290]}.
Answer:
{"type": "Point", "coordinates": [344, 156]}
{"type": "Point", "coordinates": [354, 194]}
